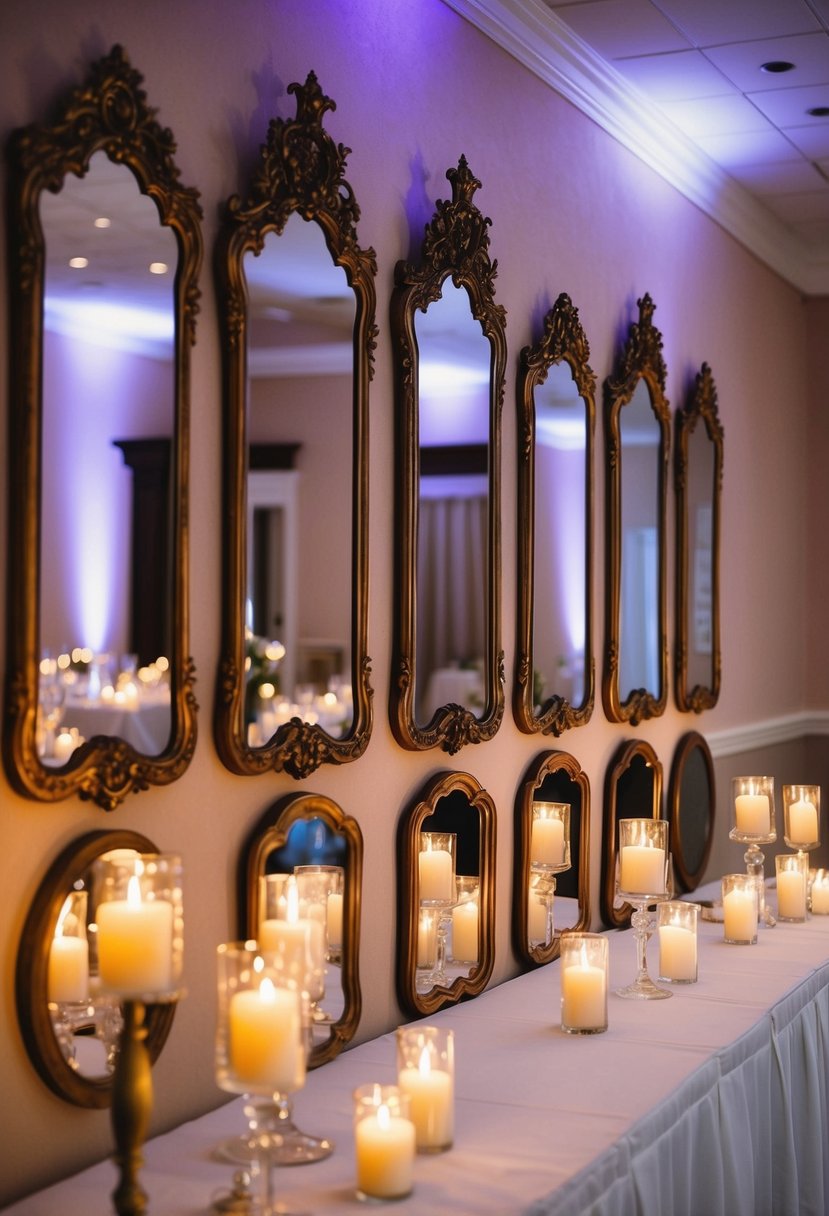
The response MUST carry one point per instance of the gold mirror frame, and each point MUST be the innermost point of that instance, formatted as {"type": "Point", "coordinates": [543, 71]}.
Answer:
{"type": "Point", "coordinates": [700, 411]}
{"type": "Point", "coordinates": [408, 840]}
{"type": "Point", "coordinates": [109, 114]}
{"type": "Point", "coordinates": [456, 247]}
{"type": "Point", "coordinates": [688, 875]}
{"type": "Point", "coordinates": [271, 832]}
{"type": "Point", "coordinates": [301, 171]}
{"type": "Point", "coordinates": [641, 361]}
{"type": "Point", "coordinates": [543, 766]}
{"type": "Point", "coordinates": [33, 967]}
{"type": "Point", "coordinates": [618, 916]}
{"type": "Point", "coordinates": [564, 341]}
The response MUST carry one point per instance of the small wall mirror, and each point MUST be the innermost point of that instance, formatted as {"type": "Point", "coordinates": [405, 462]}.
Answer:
{"type": "Point", "coordinates": [105, 253]}
{"type": "Point", "coordinates": [698, 474]}
{"type": "Point", "coordinates": [555, 675]}
{"type": "Point", "coordinates": [450, 355]}
{"type": "Point", "coordinates": [637, 436]}
{"type": "Point", "coordinates": [633, 790]}
{"type": "Point", "coordinates": [446, 894]}
{"type": "Point", "coordinates": [310, 837]}
{"type": "Point", "coordinates": [691, 808]}
{"type": "Point", "coordinates": [551, 889]}
{"type": "Point", "coordinates": [70, 1033]}
{"type": "Point", "coordinates": [297, 305]}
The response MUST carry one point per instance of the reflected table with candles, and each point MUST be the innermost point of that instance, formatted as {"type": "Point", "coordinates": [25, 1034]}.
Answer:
{"type": "Point", "coordinates": [143, 723]}
{"type": "Point", "coordinates": [715, 1102]}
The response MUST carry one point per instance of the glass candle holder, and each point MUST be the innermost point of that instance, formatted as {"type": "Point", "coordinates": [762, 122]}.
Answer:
{"type": "Point", "coordinates": [819, 892]}
{"type": "Point", "coordinates": [550, 836]}
{"type": "Point", "coordinates": [753, 806]}
{"type": "Point", "coordinates": [801, 816]}
{"type": "Point", "coordinates": [426, 1074]}
{"type": "Point", "coordinates": [676, 926]}
{"type": "Point", "coordinates": [384, 1143]}
{"type": "Point", "coordinates": [321, 898]}
{"type": "Point", "coordinates": [299, 939]}
{"type": "Point", "coordinates": [465, 917]}
{"type": "Point", "coordinates": [273, 900]}
{"type": "Point", "coordinates": [740, 909]}
{"type": "Point", "coordinates": [68, 969]}
{"type": "Point", "coordinates": [792, 885]}
{"type": "Point", "coordinates": [139, 924]}
{"type": "Point", "coordinates": [427, 937]}
{"type": "Point", "coordinates": [643, 847]}
{"type": "Point", "coordinates": [540, 906]}
{"type": "Point", "coordinates": [436, 869]}
{"type": "Point", "coordinates": [584, 958]}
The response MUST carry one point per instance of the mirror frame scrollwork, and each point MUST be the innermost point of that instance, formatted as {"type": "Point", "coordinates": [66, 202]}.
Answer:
{"type": "Point", "coordinates": [408, 839]}
{"type": "Point", "coordinates": [619, 916]}
{"type": "Point", "coordinates": [564, 341]}
{"type": "Point", "coordinates": [456, 247]}
{"type": "Point", "coordinates": [33, 966]}
{"type": "Point", "coordinates": [108, 113]}
{"type": "Point", "coordinates": [271, 832]}
{"type": "Point", "coordinates": [301, 171]}
{"type": "Point", "coordinates": [546, 763]}
{"type": "Point", "coordinates": [701, 410]}
{"type": "Point", "coordinates": [688, 879]}
{"type": "Point", "coordinates": [641, 360]}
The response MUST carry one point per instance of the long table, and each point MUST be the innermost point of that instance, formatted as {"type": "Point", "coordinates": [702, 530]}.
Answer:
{"type": "Point", "coordinates": [713, 1102]}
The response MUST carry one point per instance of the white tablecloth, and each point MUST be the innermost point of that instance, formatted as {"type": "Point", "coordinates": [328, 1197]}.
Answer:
{"type": "Point", "coordinates": [713, 1103]}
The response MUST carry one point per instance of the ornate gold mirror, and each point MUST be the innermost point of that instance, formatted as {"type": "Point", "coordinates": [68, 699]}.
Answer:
{"type": "Point", "coordinates": [632, 790]}
{"type": "Point", "coordinates": [309, 837]}
{"type": "Point", "coordinates": [104, 253]}
{"type": "Point", "coordinates": [555, 675]}
{"type": "Point", "coordinates": [71, 1033]}
{"type": "Point", "coordinates": [551, 889]}
{"type": "Point", "coordinates": [692, 804]}
{"type": "Point", "coordinates": [698, 472]}
{"type": "Point", "coordinates": [637, 437]}
{"type": "Point", "coordinates": [446, 894]}
{"type": "Point", "coordinates": [297, 303]}
{"type": "Point", "coordinates": [449, 353]}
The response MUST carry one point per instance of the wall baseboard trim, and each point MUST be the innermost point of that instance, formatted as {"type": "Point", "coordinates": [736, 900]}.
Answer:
{"type": "Point", "coordinates": [748, 738]}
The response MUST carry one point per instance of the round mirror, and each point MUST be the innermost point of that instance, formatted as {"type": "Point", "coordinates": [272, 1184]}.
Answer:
{"type": "Point", "coordinates": [691, 808]}
{"type": "Point", "coordinates": [633, 790]}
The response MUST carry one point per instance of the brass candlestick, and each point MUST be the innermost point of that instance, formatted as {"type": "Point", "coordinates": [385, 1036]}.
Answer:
{"type": "Point", "coordinates": [132, 1100]}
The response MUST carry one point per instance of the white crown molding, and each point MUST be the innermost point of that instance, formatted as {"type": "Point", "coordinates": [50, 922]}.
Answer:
{"type": "Point", "coordinates": [737, 739]}
{"type": "Point", "coordinates": [536, 37]}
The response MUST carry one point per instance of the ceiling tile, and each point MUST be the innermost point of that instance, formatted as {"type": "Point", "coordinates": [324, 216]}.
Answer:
{"type": "Point", "coordinates": [811, 141]}
{"type": "Point", "coordinates": [787, 107]}
{"type": "Point", "coordinates": [616, 28]}
{"type": "Point", "coordinates": [748, 148]}
{"type": "Point", "coordinates": [675, 76]}
{"type": "Point", "coordinates": [789, 177]}
{"type": "Point", "coordinates": [711, 22]}
{"type": "Point", "coordinates": [716, 115]}
{"type": "Point", "coordinates": [741, 62]}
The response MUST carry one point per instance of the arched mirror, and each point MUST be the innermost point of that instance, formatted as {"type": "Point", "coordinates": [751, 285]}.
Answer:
{"type": "Point", "coordinates": [309, 838]}
{"type": "Point", "coordinates": [551, 890]}
{"type": "Point", "coordinates": [698, 472]}
{"type": "Point", "coordinates": [297, 303]}
{"type": "Point", "coordinates": [555, 677]}
{"type": "Point", "coordinates": [71, 1033]}
{"type": "Point", "coordinates": [446, 894]}
{"type": "Point", "coordinates": [449, 354]}
{"type": "Point", "coordinates": [637, 435]}
{"type": "Point", "coordinates": [632, 790]}
{"type": "Point", "coordinates": [104, 254]}
{"type": "Point", "coordinates": [691, 807]}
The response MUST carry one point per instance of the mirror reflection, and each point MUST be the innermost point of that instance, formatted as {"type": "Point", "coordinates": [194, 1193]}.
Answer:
{"type": "Point", "coordinates": [692, 806]}
{"type": "Point", "coordinates": [633, 790]}
{"type": "Point", "coordinates": [639, 529]}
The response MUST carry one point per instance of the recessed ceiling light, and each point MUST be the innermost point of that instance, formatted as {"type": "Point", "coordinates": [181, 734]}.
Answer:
{"type": "Point", "coordinates": [819, 112]}
{"type": "Point", "coordinates": [102, 222]}
{"type": "Point", "coordinates": [775, 66]}
{"type": "Point", "coordinates": [158, 268]}
{"type": "Point", "coordinates": [79, 263]}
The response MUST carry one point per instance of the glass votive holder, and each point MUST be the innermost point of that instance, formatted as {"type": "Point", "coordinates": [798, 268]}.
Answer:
{"type": "Point", "coordinates": [819, 892]}
{"type": "Point", "coordinates": [139, 925]}
{"type": "Point", "coordinates": [436, 868]}
{"type": "Point", "coordinates": [465, 917]}
{"type": "Point", "coordinates": [540, 904]}
{"type": "Point", "coordinates": [584, 960]}
{"type": "Point", "coordinates": [643, 851]}
{"type": "Point", "coordinates": [300, 940]}
{"type": "Point", "coordinates": [676, 922]}
{"type": "Point", "coordinates": [753, 804]}
{"type": "Point", "coordinates": [550, 836]}
{"type": "Point", "coordinates": [384, 1143]}
{"type": "Point", "coordinates": [801, 816]}
{"type": "Point", "coordinates": [321, 897]}
{"type": "Point", "coordinates": [740, 909]}
{"type": "Point", "coordinates": [792, 885]}
{"type": "Point", "coordinates": [427, 937]}
{"type": "Point", "coordinates": [273, 900]}
{"type": "Point", "coordinates": [426, 1074]}
{"type": "Point", "coordinates": [68, 969]}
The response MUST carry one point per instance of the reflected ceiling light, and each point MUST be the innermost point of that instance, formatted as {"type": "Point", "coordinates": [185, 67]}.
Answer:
{"type": "Point", "coordinates": [79, 263]}
{"type": "Point", "coordinates": [776, 66]}
{"type": "Point", "coordinates": [107, 323]}
{"type": "Point", "coordinates": [436, 378]}
{"type": "Point", "coordinates": [560, 431]}
{"type": "Point", "coordinates": [158, 268]}
{"type": "Point", "coordinates": [102, 222]}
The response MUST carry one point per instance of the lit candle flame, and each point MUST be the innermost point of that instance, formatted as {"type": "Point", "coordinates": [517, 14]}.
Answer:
{"type": "Point", "coordinates": [292, 900]}
{"type": "Point", "coordinates": [424, 1066]}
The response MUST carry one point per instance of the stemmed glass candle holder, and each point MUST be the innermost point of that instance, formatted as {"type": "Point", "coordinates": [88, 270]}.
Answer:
{"type": "Point", "coordinates": [549, 847]}
{"type": "Point", "coordinates": [384, 1143]}
{"type": "Point", "coordinates": [321, 898]}
{"type": "Point", "coordinates": [676, 927]}
{"type": "Point", "coordinates": [139, 937]}
{"type": "Point", "coordinates": [298, 932]}
{"type": "Point", "coordinates": [753, 806]}
{"type": "Point", "coordinates": [436, 889]}
{"type": "Point", "coordinates": [540, 904]}
{"type": "Point", "coordinates": [642, 879]}
{"type": "Point", "coordinates": [427, 946]}
{"type": "Point", "coordinates": [792, 885]}
{"type": "Point", "coordinates": [801, 817]}
{"type": "Point", "coordinates": [426, 1074]}
{"type": "Point", "coordinates": [583, 983]}
{"type": "Point", "coordinates": [260, 1045]}
{"type": "Point", "coordinates": [465, 917]}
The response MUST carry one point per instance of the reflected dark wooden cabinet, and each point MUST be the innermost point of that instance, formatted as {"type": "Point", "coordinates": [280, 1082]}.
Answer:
{"type": "Point", "coordinates": [632, 790]}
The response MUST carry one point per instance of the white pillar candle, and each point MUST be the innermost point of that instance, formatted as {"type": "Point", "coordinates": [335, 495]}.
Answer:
{"type": "Point", "coordinates": [802, 821]}
{"type": "Point", "coordinates": [642, 869]}
{"type": "Point", "coordinates": [465, 931]}
{"type": "Point", "coordinates": [536, 918]}
{"type": "Point", "coordinates": [63, 746]}
{"type": "Point", "coordinates": [791, 894]}
{"type": "Point", "coordinates": [677, 952]}
{"type": "Point", "coordinates": [427, 938]}
{"type": "Point", "coordinates": [547, 842]}
{"type": "Point", "coordinates": [740, 915]}
{"type": "Point", "coordinates": [135, 944]}
{"type": "Point", "coordinates": [435, 873]}
{"type": "Point", "coordinates": [68, 972]}
{"type": "Point", "coordinates": [820, 894]}
{"type": "Point", "coordinates": [752, 815]}
{"type": "Point", "coordinates": [301, 942]}
{"type": "Point", "coordinates": [265, 1039]}
{"type": "Point", "coordinates": [583, 996]}
{"type": "Point", "coordinates": [334, 919]}
{"type": "Point", "coordinates": [385, 1148]}
{"type": "Point", "coordinates": [431, 1103]}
